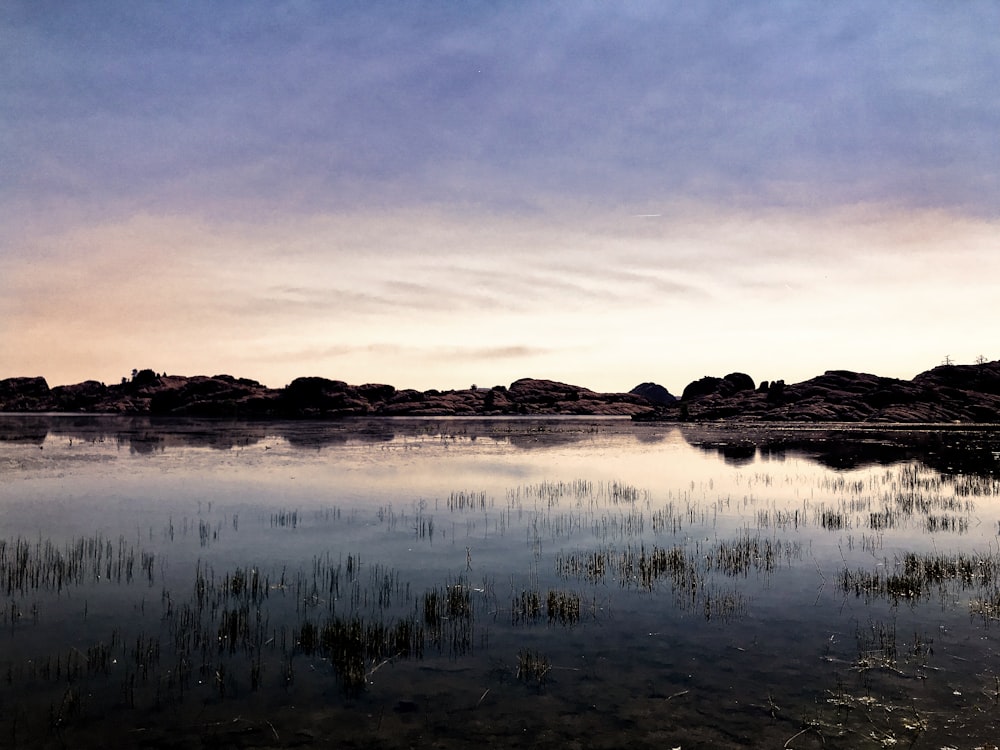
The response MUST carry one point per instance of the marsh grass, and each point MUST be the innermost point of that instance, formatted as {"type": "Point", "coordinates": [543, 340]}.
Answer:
{"type": "Point", "coordinates": [876, 645]}
{"type": "Point", "coordinates": [533, 667]}
{"type": "Point", "coordinates": [229, 625]}
{"type": "Point", "coordinates": [45, 566]}
{"type": "Point", "coordinates": [986, 604]}
{"type": "Point", "coordinates": [526, 608]}
{"type": "Point", "coordinates": [917, 576]}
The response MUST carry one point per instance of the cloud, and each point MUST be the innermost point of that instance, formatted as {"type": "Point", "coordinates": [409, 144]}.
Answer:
{"type": "Point", "coordinates": [494, 353]}
{"type": "Point", "coordinates": [491, 353]}
{"type": "Point", "coordinates": [319, 354]}
{"type": "Point", "coordinates": [229, 110]}
{"type": "Point", "coordinates": [221, 183]}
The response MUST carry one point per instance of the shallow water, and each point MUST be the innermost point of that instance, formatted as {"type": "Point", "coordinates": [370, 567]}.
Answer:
{"type": "Point", "coordinates": [559, 582]}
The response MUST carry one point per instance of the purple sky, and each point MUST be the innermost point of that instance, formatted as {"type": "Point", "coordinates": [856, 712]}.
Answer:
{"type": "Point", "coordinates": [440, 194]}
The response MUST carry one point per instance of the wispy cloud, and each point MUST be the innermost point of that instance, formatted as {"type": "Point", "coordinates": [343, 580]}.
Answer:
{"type": "Point", "coordinates": [515, 184]}
{"type": "Point", "coordinates": [308, 107]}
{"type": "Point", "coordinates": [514, 351]}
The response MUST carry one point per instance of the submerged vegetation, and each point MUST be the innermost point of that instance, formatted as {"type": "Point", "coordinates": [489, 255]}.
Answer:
{"type": "Point", "coordinates": [816, 602]}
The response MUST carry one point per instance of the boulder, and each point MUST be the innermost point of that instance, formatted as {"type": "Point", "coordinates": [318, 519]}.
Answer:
{"type": "Point", "coordinates": [89, 395]}
{"type": "Point", "coordinates": [737, 381]}
{"type": "Point", "coordinates": [375, 392]}
{"type": "Point", "coordinates": [734, 382]}
{"type": "Point", "coordinates": [703, 387]}
{"type": "Point", "coordinates": [655, 393]}
{"type": "Point", "coordinates": [25, 394]}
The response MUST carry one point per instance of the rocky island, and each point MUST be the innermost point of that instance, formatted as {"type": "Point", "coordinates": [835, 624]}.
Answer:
{"type": "Point", "coordinates": [949, 393]}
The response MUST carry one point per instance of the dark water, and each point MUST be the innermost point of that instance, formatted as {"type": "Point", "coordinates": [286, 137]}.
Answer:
{"type": "Point", "coordinates": [440, 583]}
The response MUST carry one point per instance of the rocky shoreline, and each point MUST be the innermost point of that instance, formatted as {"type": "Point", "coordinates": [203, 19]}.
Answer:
{"type": "Point", "coordinates": [308, 398]}
{"type": "Point", "coordinates": [949, 393]}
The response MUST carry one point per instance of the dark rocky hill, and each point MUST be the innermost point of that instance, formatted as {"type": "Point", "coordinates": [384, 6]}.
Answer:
{"type": "Point", "coordinates": [654, 392]}
{"type": "Point", "coordinates": [949, 393]}
{"type": "Point", "coordinates": [308, 397]}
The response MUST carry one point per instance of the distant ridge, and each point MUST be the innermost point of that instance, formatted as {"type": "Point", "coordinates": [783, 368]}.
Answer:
{"type": "Point", "coordinates": [948, 393]}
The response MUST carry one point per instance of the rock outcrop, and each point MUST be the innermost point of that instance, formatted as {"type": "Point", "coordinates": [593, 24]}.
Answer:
{"type": "Point", "coordinates": [24, 394]}
{"type": "Point", "coordinates": [949, 393]}
{"type": "Point", "coordinates": [309, 397]}
{"type": "Point", "coordinates": [654, 392]}
{"type": "Point", "coordinates": [734, 382]}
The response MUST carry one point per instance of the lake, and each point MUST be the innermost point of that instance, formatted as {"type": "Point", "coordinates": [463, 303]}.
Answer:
{"type": "Point", "coordinates": [575, 582]}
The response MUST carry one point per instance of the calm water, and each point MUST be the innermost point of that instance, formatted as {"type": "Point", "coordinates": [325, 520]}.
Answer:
{"type": "Point", "coordinates": [554, 583]}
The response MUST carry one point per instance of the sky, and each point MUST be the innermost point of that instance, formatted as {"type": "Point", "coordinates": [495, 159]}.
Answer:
{"type": "Point", "coordinates": [440, 194]}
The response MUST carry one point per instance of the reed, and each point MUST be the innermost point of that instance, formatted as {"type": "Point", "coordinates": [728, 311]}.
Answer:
{"type": "Point", "coordinates": [533, 667]}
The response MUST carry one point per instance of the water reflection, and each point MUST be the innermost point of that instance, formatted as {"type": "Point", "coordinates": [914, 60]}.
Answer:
{"type": "Point", "coordinates": [501, 582]}
{"type": "Point", "coordinates": [944, 448]}
{"type": "Point", "coordinates": [528, 433]}
{"type": "Point", "coordinates": [947, 448]}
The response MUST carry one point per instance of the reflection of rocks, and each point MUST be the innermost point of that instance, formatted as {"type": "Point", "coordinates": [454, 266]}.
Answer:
{"type": "Point", "coordinates": [317, 435]}
{"type": "Point", "coordinates": [739, 453]}
{"type": "Point", "coordinates": [20, 428]}
{"type": "Point", "coordinates": [142, 434]}
{"type": "Point", "coordinates": [146, 443]}
{"type": "Point", "coordinates": [965, 393]}
{"type": "Point", "coordinates": [948, 450]}
{"type": "Point", "coordinates": [145, 435]}
{"type": "Point", "coordinates": [311, 397]}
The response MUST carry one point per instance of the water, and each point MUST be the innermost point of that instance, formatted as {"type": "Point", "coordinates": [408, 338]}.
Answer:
{"type": "Point", "coordinates": [560, 582]}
